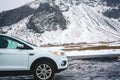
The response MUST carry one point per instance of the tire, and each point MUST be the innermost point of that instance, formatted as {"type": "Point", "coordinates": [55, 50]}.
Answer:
{"type": "Point", "coordinates": [44, 71]}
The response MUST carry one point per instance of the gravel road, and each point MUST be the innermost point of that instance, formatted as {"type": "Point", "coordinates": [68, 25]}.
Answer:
{"type": "Point", "coordinates": [94, 69]}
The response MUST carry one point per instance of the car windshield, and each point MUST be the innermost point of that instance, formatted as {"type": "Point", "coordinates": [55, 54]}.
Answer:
{"type": "Point", "coordinates": [26, 42]}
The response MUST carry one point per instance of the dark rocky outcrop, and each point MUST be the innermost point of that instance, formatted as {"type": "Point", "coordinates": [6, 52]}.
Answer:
{"type": "Point", "coordinates": [112, 3]}
{"type": "Point", "coordinates": [47, 18]}
{"type": "Point", "coordinates": [12, 16]}
{"type": "Point", "coordinates": [115, 12]}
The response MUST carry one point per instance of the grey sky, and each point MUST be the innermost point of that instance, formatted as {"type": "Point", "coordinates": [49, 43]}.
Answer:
{"type": "Point", "coordinates": [11, 4]}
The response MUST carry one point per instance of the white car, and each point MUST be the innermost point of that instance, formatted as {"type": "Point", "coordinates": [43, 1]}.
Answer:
{"type": "Point", "coordinates": [18, 57]}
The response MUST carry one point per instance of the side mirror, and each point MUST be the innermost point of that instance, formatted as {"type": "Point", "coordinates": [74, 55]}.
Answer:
{"type": "Point", "coordinates": [20, 46]}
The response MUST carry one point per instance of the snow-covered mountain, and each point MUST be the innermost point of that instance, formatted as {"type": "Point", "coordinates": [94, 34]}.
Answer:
{"type": "Point", "coordinates": [64, 21]}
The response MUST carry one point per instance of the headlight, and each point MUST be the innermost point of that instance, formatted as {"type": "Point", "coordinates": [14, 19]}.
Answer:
{"type": "Point", "coordinates": [58, 53]}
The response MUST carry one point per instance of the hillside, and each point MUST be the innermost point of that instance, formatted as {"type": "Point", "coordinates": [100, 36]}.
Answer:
{"type": "Point", "coordinates": [64, 21]}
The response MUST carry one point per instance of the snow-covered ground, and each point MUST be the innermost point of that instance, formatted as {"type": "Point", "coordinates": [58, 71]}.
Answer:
{"type": "Point", "coordinates": [76, 50]}
{"type": "Point", "coordinates": [91, 70]}
{"type": "Point", "coordinates": [93, 54]}
{"type": "Point", "coordinates": [99, 69]}
{"type": "Point", "coordinates": [86, 69]}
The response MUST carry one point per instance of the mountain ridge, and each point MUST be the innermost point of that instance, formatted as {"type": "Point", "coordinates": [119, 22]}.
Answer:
{"type": "Point", "coordinates": [78, 21]}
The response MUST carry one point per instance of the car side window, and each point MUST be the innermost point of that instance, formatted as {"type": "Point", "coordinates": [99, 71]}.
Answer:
{"type": "Point", "coordinates": [8, 43]}
{"type": "Point", "coordinates": [12, 44]}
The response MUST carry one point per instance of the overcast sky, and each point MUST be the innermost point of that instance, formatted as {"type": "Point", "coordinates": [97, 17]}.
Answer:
{"type": "Point", "coordinates": [11, 4]}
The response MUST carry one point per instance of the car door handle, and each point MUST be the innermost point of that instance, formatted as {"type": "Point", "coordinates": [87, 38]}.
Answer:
{"type": "Point", "coordinates": [31, 54]}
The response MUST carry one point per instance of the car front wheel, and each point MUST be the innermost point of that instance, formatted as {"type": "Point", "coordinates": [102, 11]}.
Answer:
{"type": "Point", "coordinates": [44, 71]}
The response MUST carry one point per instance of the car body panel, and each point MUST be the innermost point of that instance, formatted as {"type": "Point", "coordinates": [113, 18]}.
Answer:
{"type": "Point", "coordinates": [13, 59]}
{"type": "Point", "coordinates": [22, 59]}
{"type": "Point", "coordinates": [43, 54]}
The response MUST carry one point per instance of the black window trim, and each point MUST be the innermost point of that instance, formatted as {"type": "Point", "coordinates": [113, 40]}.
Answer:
{"type": "Point", "coordinates": [28, 47]}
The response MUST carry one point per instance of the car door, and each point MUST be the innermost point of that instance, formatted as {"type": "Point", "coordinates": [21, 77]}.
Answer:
{"type": "Point", "coordinates": [12, 58]}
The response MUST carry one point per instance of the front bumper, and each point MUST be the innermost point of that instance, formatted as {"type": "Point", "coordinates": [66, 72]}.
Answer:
{"type": "Point", "coordinates": [62, 63]}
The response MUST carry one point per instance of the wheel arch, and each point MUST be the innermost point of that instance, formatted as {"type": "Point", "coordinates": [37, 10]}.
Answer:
{"type": "Point", "coordinates": [43, 59]}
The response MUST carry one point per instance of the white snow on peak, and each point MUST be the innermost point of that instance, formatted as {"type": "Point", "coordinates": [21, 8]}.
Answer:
{"type": "Point", "coordinates": [84, 24]}
{"type": "Point", "coordinates": [35, 4]}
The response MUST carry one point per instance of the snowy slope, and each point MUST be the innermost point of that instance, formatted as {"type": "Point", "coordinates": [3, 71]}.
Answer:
{"type": "Point", "coordinates": [84, 24]}
{"type": "Point", "coordinates": [20, 30]}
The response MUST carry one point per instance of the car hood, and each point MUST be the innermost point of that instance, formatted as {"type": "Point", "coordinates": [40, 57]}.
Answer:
{"type": "Point", "coordinates": [49, 49]}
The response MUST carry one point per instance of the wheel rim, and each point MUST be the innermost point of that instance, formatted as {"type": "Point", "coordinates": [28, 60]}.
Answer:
{"type": "Point", "coordinates": [43, 71]}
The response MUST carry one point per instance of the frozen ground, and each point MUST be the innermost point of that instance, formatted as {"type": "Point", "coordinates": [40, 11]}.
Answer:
{"type": "Point", "coordinates": [95, 69]}
{"type": "Point", "coordinates": [89, 69]}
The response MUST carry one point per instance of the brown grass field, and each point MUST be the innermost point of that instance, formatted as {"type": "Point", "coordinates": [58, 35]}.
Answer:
{"type": "Point", "coordinates": [87, 46]}
{"type": "Point", "coordinates": [90, 48]}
